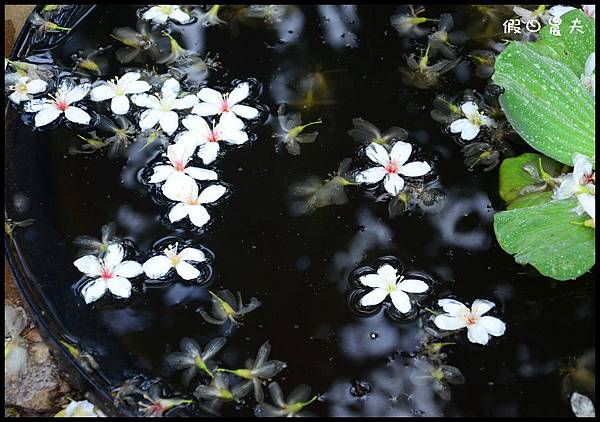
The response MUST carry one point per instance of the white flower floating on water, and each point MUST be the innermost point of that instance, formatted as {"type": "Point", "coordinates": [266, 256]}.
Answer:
{"type": "Point", "coordinates": [163, 12]}
{"type": "Point", "coordinates": [110, 272]}
{"type": "Point", "coordinates": [160, 108]}
{"type": "Point", "coordinates": [391, 165]}
{"type": "Point", "coordinates": [117, 91]}
{"type": "Point", "coordinates": [582, 180]}
{"type": "Point", "coordinates": [191, 204]}
{"type": "Point", "coordinates": [213, 102]}
{"type": "Point", "coordinates": [158, 266]}
{"type": "Point", "coordinates": [179, 156]}
{"type": "Point", "coordinates": [479, 327]}
{"type": "Point", "coordinates": [386, 283]}
{"type": "Point", "coordinates": [25, 88]}
{"type": "Point", "coordinates": [199, 133]}
{"type": "Point", "coordinates": [469, 127]}
{"type": "Point", "coordinates": [588, 79]}
{"type": "Point", "coordinates": [48, 110]}
{"type": "Point", "coordinates": [587, 204]}
{"type": "Point", "coordinates": [77, 409]}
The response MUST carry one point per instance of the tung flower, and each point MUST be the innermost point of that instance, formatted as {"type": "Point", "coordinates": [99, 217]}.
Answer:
{"type": "Point", "coordinates": [191, 203]}
{"type": "Point", "coordinates": [160, 108]}
{"type": "Point", "coordinates": [48, 110]}
{"type": "Point", "coordinates": [469, 126]}
{"type": "Point", "coordinates": [479, 327]}
{"type": "Point", "coordinates": [110, 272]}
{"type": "Point", "coordinates": [199, 133]}
{"type": "Point", "coordinates": [193, 359]}
{"type": "Point", "coordinates": [391, 166]}
{"type": "Point", "coordinates": [213, 102]}
{"type": "Point", "coordinates": [298, 399]}
{"type": "Point", "coordinates": [117, 91]}
{"type": "Point", "coordinates": [225, 306]}
{"type": "Point", "coordinates": [158, 266]}
{"type": "Point", "coordinates": [179, 155]}
{"type": "Point", "coordinates": [80, 409]}
{"type": "Point", "coordinates": [161, 13]}
{"type": "Point", "coordinates": [386, 283]}
{"type": "Point", "coordinates": [581, 180]}
{"type": "Point", "coordinates": [25, 88]}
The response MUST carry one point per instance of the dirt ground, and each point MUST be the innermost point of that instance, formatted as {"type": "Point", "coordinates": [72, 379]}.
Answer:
{"type": "Point", "coordinates": [39, 390]}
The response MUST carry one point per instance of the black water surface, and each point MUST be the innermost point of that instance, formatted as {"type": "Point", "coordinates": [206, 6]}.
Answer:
{"type": "Point", "coordinates": [298, 265]}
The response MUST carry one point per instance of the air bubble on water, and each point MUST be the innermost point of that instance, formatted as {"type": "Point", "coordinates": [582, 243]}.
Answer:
{"type": "Point", "coordinates": [360, 388]}
{"type": "Point", "coordinates": [374, 335]}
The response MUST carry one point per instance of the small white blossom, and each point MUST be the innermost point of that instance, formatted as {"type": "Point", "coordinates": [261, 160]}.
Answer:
{"type": "Point", "coordinates": [25, 88]}
{"type": "Point", "coordinates": [387, 283]}
{"type": "Point", "coordinates": [163, 12]}
{"type": "Point", "coordinates": [117, 91]}
{"type": "Point", "coordinates": [110, 272]}
{"type": "Point", "coordinates": [179, 156]}
{"type": "Point", "coordinates": [158, 266]}
{"type": "Point", "coordinates": [391, 165]}
{"type": "Point", "coordinates": [479, 327]}
{"type": "Point", "coordinates": [214, 103]}
{"type": "Point", "coordinates": [469, 127]}
{"type": "Point", "coordinates": [160, 108]}
{"type": "Point", "coordinates": [49, 109]}
{"type": "Point", "coordinates": [582, 180]}
{"type": "Point", "coordinates": [588, 79]}
{"type": "Point", "coordinates": [190, 201]}
{"type": "Point", "coordinates": [77, 409]}
{"type": "Point", "coordinates": [199, 133]}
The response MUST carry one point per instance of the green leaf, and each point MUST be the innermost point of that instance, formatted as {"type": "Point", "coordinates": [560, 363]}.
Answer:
{"type": "Point", "coordinates": [543, 97]}
{"type": "Point", "coordinates": [516, 182]}
{"type": "Point", "coordinates": [530, 200]}
{"type": "Point", "coordinates": [550, 237]}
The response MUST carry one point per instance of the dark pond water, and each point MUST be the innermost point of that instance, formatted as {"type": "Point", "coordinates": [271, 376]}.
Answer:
{"type": "Point", "coordinates": [298, 265]}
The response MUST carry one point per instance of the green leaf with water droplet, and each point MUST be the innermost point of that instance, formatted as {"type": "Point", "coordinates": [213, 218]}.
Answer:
{"type": "Point", "coordinates": [543, 97]}
{"type": "Point", "coordinates": [551, 237]}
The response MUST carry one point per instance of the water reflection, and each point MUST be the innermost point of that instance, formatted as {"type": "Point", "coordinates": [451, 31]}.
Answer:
{"type": "Point", "coordinates": [339, 21]}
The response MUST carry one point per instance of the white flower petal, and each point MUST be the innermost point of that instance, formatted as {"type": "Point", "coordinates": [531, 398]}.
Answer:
{"type": "Point", "coordinates": [374, 297]}
{"type": "Point", "coordinates": [400, 300]}
{"type": "Point", "coordinates": [372, 175]}
{"type": "Point", "coordinates": [458, 125]}
{"type": "Point", "coordinates": [192, 254]}
{"type": "Point", "coordinates": [169, 121]}
{"type": "Point", "coordinates": [415, 169]}
{"type": "Point", "coordinates": [77, 93]}
{"type": "Point", "coordinates": [377, 154]}
{"type": "Point", "coordinates": [77, 115]}
{"type": "Point", "coordinates": [446, 322]}
{"type": "Point", "coordinates": [388, 273]}
{"type": "Point", "coordinates": [469, 108]}
{"type": "Point", "coordinates": [188, 101]}
{"type": "Point", "coordinates": [469, 131]}
{"type": "Point", "coordinates": [119, 286]}
{"type": "Point", "coordinates": [413, 286]}
{"type": "Point", "coordinates": [114, 256]}
{"type": "Point", "coordinates": [157, 266]}
{"type": "Point", "coordinates": [590, 64]}
{"type": "Point", "coordinates": [453, 307]}
{"type": "Point", "coordinates": [180, 16]}
{"type": "Point", "coordinates": [37, 85]}
{"type": "Point", "coordinates": [206, 109]}
{"type": "Point", "coordinates": [137, 87]}
{"type": "Point", "coordinates": [94, 290]}
{"type": "Point", "coordinates": [480, 306]}
{"type": "Point", "coordinates": [187, 271]}
{"type": "Point", "coordinates": [36, 105]}
{"type": "Point", "coordinates": [393, 183]}
{"type": "Point", "coordinates": [161, 173]}
{"type": "Point", "coordinates": [477, 334]}
{"type": "Point", "coordinates": [588, 203]}
{"type": "Point", "coordinates": [201, 174]}
{"type": "Point", "coordinates": [373, 280]}
{"type": "Point", "coordinates": [229, 121]}
{"type": "Point", "coordinates": [245, 111]}
{"type": "Point", "coordinates": [46, 115]}
{"type": "Point", "coordinates": [178, 212]}
{"type": "Point", "coordinates": [170, 87]}
{"type": "Point", "coordinates": [128, 269]}
{"type": "Point", "coordinates": [492, 325]}
{"type": "Point", "coordinates": [102, 92]}
{"type": "Point", "coordinates": [146, 101]}
{"type": "Point", "coordinates": [119, 104]}
{"type": "Point", "coordinates": [198, 215]}
{"type": "Point", "coordinates": [211, 194]}
{"type": "Point", "coordinates": [238, 94]}
{"type": "Point", "coordinates": [149, 119]}
{"type": "Point", "coordinates": [208, 152]}
{"type": "Point", "coordinates": [209, 95]}
{"type": "Point", "coordinates": [180, 187]}
{"type": "Point", "coordinates": [401, 152]}
{"type": "Point", "coordinates": [89, 265]}
{"type": "Point", "coordinates": [196, 124]}
{"type": "Point", "coordinates": [236, 137]}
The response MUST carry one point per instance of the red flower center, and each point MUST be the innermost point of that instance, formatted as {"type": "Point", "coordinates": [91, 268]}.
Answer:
{"type": "Point", "coordinates": [224, 107]}
{"type": "Point", "coordinates": [179, 166]}
{"type": "Point", "coordinates": [214, 136]}
{"type": "Point", "coordinates": [62, 105]}
{"type": "Point", "coordinates": [471, 319]}
{"type": "Point", "coordinates": [391, 167]}
{"type": "Point", "coordinates": [106, 274]}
